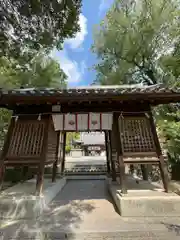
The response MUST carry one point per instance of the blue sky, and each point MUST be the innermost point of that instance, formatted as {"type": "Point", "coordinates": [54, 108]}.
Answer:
{"type": "Point", "coordinates": [76, 57]}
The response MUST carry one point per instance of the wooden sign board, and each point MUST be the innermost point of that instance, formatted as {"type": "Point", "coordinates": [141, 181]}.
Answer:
{"type": "Point", "coordinates": [56, 108]}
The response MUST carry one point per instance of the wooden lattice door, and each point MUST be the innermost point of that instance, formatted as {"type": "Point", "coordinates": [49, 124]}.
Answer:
{"type": "Point", "coordinates": [26, 141]}
{"type": "Point", "coordinates": [136, 135]}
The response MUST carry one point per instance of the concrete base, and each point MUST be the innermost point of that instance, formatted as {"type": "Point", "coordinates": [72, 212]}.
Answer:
{"type": "Point", "coordinates": [19, 202]}
{"type": "Point", "coordinates": [144, 200]}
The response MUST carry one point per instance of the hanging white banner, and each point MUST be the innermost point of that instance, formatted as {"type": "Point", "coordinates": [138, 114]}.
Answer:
{"type": "Point", "coordinates": [82, 122]}
{"type": "Point", "coordinates": [107, 121]}
{"type": "Point", "coordinates": [58, 122]}
{"type": "Point", "coordinates": [94, 121]}
{"type": "Point", "coordinates": [70, 122]}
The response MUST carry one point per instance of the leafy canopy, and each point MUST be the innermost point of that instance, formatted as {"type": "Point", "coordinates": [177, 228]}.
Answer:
{"type": "Point", "coordinates": [42, 71]}
{"type": "Point", "coordinates": [28, 26]}
{"type": "Point", "coordinates": [69, 138]}
{"type": "Point", "coordinates": [139, 42]}
{"type": "Point", "coordinates": [132, 38]}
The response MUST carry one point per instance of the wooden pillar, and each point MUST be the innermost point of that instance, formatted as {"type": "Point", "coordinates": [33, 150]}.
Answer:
{"type": "Point", "coordinates": [2, 174]}
{"type": "Point", "coordinates": [107, 151]}
{"type": "Point", "coordinates": [119, 152]}
{"type": "Point", "coordinates": [54, 170]}
{"type": "Point", "coordinates": [144, 171]}
{"type": "Point", "coordinates": [64, 152]}
{"type": "Point", "coordinates": [25, 170]}
{"type": "Point", "coordinates": [5, 151]}
{"type": "Point", "coordinates": [162, 164]}
{"type": "Point", "coordinates": [86, 151]}
{"type": "Point", "coordinates": [40, 173]}
{"type": "Point", "coordinates": [113, 169]}
{"type": "Point", "coordinates": [131, 168]}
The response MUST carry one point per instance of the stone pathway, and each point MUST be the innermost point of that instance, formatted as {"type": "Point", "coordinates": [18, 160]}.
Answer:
{"type": "Point", "coordinates": [84, 210]}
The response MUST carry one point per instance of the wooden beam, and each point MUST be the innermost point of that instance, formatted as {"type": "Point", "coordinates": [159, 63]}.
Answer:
{"type": "Point", "coordinates": [158, 97]}
{"type": "Point", "coordinates": [95, 106]}
{"type": "Point", "coordinates": [54, 170]}
{"type": "Point", "coordinates": [40, 173]}
{"type": "Point", "coordinates": [119, 150]}
{"type": "Point", "coordinates": [107, 151]}
{"type": "Point", "coordinates": [162, 165]}
{"type": "Point", "coordinates": [64, 153]}
{"type": "Point", "coordinates": [5, 151]}
{"type": "Point", "coordinates": [106, 107]}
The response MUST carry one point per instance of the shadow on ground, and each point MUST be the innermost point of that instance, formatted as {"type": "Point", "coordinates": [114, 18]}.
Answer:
{"type": "Point", "coordinates": [63, 216]}
{"type": "Point", "coordinates": [58, 221]}
{"type": "Point", "coordinates": [173, 228]}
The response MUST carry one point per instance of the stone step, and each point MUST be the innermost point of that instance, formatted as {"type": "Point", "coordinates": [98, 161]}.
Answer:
{"type": "Point", "coordinates": [85, 168]}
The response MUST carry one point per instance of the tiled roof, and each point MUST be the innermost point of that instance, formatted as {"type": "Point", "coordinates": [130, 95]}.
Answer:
{"type": "Point", "coordinates": [91, 90]}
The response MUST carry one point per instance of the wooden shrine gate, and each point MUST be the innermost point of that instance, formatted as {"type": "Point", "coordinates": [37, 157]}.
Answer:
{"type": "Point", "coordinates": [37, 132]}
{"type": "Point", "coordinates": [82, 122]}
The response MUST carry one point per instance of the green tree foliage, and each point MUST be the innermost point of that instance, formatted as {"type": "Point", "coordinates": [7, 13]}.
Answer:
{"type": "Point", "coordinates": [138, 42]}
{"type": "Point", "coordinates": [5, 117]}
{"type": "Point", "coordinates": [170, 65]}
{"type": "Point", "coordinates": [69, 138]}
{"type": "Point", "coordinates": [168, 117]}
{"type": "Point", "coordinates": [131, 39]}
{"type": "Point", "coordinates": [168, 120]}
{"type": "Point", "coordinates": [29, 26]}
{"type": "Point", "coordinates": [42, 71]}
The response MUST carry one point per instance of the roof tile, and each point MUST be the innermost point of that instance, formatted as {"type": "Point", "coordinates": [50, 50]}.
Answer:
{"type": "Point", "coordinates": [91, 90]}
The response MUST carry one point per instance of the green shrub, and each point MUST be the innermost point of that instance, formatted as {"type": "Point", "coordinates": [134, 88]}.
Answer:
{"type": "Point", "coordinates": [68, 149]}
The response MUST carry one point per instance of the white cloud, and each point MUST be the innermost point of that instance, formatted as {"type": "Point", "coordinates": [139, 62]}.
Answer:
{"type": "Point", "coordinates": [83, 67]}
{"type": "Point", "coordinates": [73, 69]}
{"type": "Point", "coordinates": [105, 5]}
{"type": "Point", "coordinates": [102, 5]}
{"type": "Point", "coordinates": [77, 41]}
